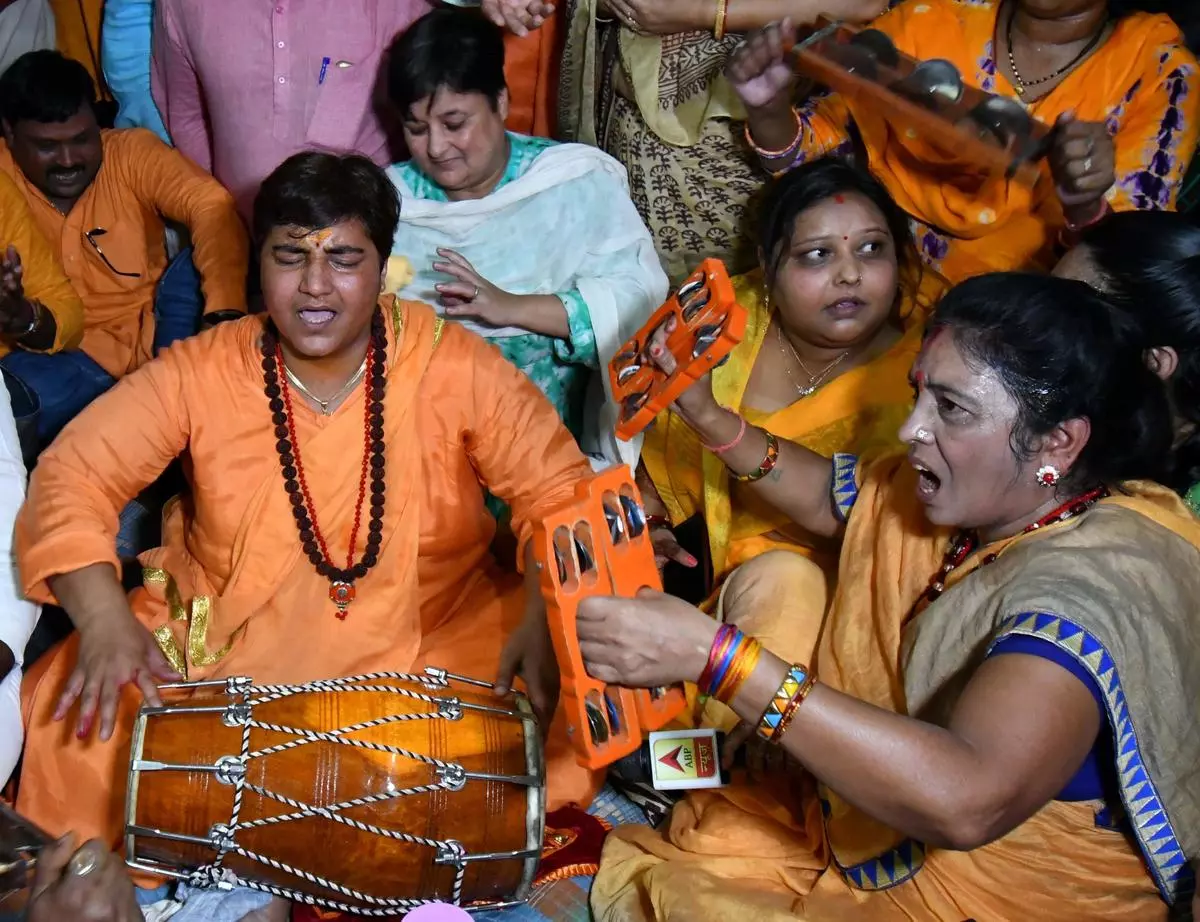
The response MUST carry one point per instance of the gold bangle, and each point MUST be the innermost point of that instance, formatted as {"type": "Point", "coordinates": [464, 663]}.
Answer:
{"type": "Point", "coordinates": [792, 706]}
{"type": "Point", "coordinates": [719, 25]}
{"type": "Point", "coordinates": [792, 685]}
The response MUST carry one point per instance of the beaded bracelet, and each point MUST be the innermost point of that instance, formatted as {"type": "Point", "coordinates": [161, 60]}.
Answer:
{"type": "Point", "coordinates": [768, 462]}
{"type": "Point", "coordinates": [788, 697]}
{"type": "Point", "coordinates": [722, 14]}
{"type": "Point", "coordinates": [782, 152]}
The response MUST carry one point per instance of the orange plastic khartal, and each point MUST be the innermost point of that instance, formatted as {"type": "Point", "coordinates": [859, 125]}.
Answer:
{"type": "Point", "coordinates": [599, 545]}
{"type": "Point", "coordinates": [709, 323]}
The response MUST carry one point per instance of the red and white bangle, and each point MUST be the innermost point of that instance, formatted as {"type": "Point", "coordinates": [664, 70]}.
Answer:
{"type": "Point", "coordinates": [788, 151]}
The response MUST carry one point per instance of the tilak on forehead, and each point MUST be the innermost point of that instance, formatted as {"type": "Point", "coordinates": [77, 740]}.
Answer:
{"type": "Point", "coordinates": [317, 238]}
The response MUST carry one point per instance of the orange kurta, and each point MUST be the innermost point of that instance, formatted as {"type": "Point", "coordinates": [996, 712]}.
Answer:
{"type": "Point", "coordinates": [457, 416]}
{"type": "Point", "coordinates": [141, 182]}
{"type": "Point", "coordinates": [531, 72]}
{"type": "Point", "coordinates": [77, 24]}
{"type": "Point", "coordinates": [1142, 83]}
{"type": "Point", "coordinates": [40, 273]}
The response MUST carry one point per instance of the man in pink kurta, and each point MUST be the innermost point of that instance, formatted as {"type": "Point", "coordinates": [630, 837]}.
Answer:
{"type": "Point", "coordinates": [243, 84]}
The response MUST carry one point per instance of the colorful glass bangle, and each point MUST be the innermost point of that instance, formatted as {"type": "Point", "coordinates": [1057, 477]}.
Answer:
{"type": "Point", "coordinates": [772, 719]}
{"type": "Point", "coordinates": [745, 659]}
{"type": "Point", "coordinates": [725, 635]}
{"type": "Point", "coordinates": [657, 521]}
{"type": "Point", "coordinates": [722, 14]}
{"type": "Point", "coordinates": [788, 151]}
{"type": "Point", "coordinates": [768, 462]}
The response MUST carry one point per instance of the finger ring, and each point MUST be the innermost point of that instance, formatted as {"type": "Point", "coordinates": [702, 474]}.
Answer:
{"type": "Point", "coordinates": [476, 294]}
{"type": "Point", "coordinates": [83, 862]}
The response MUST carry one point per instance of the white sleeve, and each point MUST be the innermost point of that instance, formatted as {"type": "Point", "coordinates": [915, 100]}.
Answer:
{"type": "Point", "coordinates": [17, 615]}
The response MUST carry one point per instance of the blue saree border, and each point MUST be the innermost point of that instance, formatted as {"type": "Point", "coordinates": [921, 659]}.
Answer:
{"type": "Point", "coordinates": [844, 487]}
{"type": "Point", "coordinates": [1152, 828]}
{"type": "Point", "coordinates": [1155, 834]}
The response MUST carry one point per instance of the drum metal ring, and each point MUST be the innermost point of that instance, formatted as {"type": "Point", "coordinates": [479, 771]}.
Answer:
{"type": "Point", "coordinates": [236, 715]}
{"type": "Point", "coordinates": [454, 777]}
{"type": "Point", "coordinates": [230, 769]}
{"type": "Point", "coordinates": [221, 836]}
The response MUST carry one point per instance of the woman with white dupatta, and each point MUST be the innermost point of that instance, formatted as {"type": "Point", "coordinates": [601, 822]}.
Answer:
{"type": "Point", "coordinates": [533, 245]}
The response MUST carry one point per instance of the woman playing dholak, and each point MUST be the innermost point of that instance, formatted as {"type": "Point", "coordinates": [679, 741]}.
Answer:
{"type": "Point", "coordinates": [999, 712]}
{"type": "Point", "coordinates": [1114, 78]}
{"type": "Point", "coordinates": [531, 244]}
{"type": "Point", "coordinates": [644, 80]}
{"type": "Point", "coordinates": [834, 324]}
{"type": "Point", "coordinates": [1148, 262]}
{"type": "Point", "coordinates": [339, 448]}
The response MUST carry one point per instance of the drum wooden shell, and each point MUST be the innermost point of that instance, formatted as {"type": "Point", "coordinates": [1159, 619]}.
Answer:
{"type": "Point", "coordinates": [487, 816]}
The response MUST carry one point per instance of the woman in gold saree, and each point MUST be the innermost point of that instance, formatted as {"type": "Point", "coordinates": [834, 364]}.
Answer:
{"type": "Point", "coordinates": [834, 324]}
{"type": "Point", "coordinates": [1003, 724]}
{"type": "Point", "coordinates": [644, 80]}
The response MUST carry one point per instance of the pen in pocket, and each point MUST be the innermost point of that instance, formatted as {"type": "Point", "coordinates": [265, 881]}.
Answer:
{"type": "Point", "coordinates": [324, 70]}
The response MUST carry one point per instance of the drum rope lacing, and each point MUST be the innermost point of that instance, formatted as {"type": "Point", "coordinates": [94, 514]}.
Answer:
{"type": "Point", "coordinates": [222, 837]}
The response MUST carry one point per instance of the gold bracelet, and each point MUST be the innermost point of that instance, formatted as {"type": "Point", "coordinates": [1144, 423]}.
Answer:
{"type": "Point", "coordinates": [795, 685]}
{"type": "Point", "coordinates": [719, 25]}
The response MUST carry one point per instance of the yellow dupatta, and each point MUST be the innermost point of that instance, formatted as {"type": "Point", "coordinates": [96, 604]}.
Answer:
{"type": "Point", "coordinates": [858, 412]}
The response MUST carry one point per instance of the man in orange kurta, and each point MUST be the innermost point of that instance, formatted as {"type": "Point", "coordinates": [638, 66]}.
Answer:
{"type": "Point", "coordinates": [100, 198]}
{"type": "Point", "coordinates": [231, 591]}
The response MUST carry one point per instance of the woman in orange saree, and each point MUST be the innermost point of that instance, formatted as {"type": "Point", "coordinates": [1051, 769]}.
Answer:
{"type": "Point", "coordinates": [1119, 85]}
{"type": "Point", "coordinates": [1001, 728]}
{"type": "Point", "coordinates": [834, 323]}
{"type": "Point", "coordinates": [338, 451]}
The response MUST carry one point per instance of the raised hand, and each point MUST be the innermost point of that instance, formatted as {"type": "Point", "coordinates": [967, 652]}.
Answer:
{"type": "Point", "coordinates": [759, 70]}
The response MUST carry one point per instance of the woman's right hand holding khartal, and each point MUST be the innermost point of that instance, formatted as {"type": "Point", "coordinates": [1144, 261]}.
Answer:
{"type": "Point", "coordinates": [697, 403]}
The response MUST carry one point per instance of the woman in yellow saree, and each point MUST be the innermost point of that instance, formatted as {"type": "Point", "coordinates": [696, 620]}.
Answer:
{"type": "Point", "coordinates": [834, 324]}
{"type": "Point", "coordinates": [1009, 735]}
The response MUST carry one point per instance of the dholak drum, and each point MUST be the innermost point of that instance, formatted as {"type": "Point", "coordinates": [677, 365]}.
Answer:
{"type": "Point", "coordinates": [371, 794]}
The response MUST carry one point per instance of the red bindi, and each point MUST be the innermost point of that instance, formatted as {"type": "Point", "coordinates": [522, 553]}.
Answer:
{"type": "Point", "coordinates": [845, 238]}
{"type": "Point", "coordinates": [840, 199]}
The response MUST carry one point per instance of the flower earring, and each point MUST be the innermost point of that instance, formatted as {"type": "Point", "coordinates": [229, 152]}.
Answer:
{"type": "Point", "coordinates": [1048, 475]}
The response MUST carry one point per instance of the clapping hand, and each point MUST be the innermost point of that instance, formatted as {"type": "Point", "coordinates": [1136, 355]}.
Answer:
{"type": "Point", "coordinates": [663, 17]}
{"type": "Point", "coordinates": [518, 16]}
{"type": "Point", "coordinates": [16, 313]}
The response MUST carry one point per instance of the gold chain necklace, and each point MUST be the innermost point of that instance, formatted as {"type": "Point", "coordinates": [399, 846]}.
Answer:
{"type": "Point", "coordinates": [814, 380]}
{"type": "Point", "coordinates": [325, 404]}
